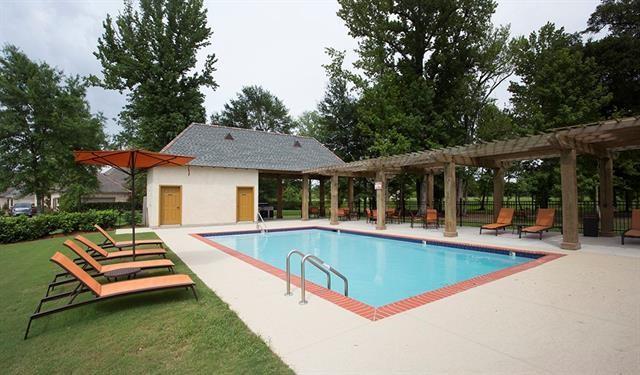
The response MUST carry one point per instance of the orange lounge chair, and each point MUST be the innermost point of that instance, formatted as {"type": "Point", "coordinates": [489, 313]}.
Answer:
{"type": "Point", "coordinates": [101, 254]}
{"type": "Point", "coordinates": [109, 242]}
{"type": "Point", "coordinates": [634, 231]}
{"type": "Point", "coordinates": [430, 217]}
{"type": "Point", "coordinates": [104, 268]}
{"type": "Point", "coordinates": [100, 292]}
{"type": "Point", "coordinates": [505, 218]}
{"type": "Point", "coordinates": [343, 213]}
{"type": "Point", "coordinates": [544, 222]}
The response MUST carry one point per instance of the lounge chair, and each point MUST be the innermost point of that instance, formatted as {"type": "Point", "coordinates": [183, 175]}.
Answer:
{"type": "Point", "coordinates": [544, 222]}
{"type": "Point", "coordinates": [314, 211]}
{"type": "Point", "coordinates": [101, 254]}
{"type": "Point", "coordinates": [104, 268]}
{"type": "Point", "coordinates": [634, 231]}
{"type": "Point", "coordinates": [100, 292]}
{"type": "Point", "coordinates": [430, 217]}
{"type": "Point", "coordinates": [109, 242]}
{"type": "Point", "coordinates": [505, 219]}
{"type": "Point", "coordinates": [343, 213]}
{"type": "Point", "coordinates": [372, 215]}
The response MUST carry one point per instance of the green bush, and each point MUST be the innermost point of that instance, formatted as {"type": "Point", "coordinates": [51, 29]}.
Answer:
{"type": "Point", "coordinates": [22, 228]}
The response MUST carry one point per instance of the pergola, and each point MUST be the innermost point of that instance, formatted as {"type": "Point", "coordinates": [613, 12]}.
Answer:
{"type": "Point", "coordinates": [601, 140]}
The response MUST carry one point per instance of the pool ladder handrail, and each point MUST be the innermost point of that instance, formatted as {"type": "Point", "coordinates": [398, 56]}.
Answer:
{"type": "Point", "coordinates": [321, 265]}
{"type": "Point", "coordinates": [261, 225]}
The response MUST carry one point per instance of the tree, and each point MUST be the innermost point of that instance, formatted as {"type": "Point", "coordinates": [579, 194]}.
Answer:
{"type": "Point", "coordinates": [256, 108]}
{"type": "Point", "coordinates": [417, 59]}
{"type": "Point", "coordinates": [44, 116]}
{"type": "Point", "coordinates": [151, 52]}
{"type": "Point", "coordinates": [559, 86]}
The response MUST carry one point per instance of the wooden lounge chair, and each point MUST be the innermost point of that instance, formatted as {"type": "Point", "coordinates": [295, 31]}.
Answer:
{"type": "Point", "coordinates": [103, 268]}
{"type": "Point", "coordinates": [343, 213]}
{"type": "Point", "coordinates": [634, 231]}
{"type": "Point", "coordinates": [430, 217]}
{"type": "Point", "coordinates": [109, 242]}
{"type": "Point", "coordinates": [505, 218]}
{"type": "Point", "coordinates": [544, 222]}
{"type": "Point", "coordinates": [100, 292]}
{"type": "Point", "coordinates": [101, 254]}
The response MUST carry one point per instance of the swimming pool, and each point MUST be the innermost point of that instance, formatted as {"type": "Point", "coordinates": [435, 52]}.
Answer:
{"type": "Point", "coordinates": [382, 270]}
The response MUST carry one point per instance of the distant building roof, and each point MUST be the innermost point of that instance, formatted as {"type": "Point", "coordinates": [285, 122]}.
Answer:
{"type": "Point", "coordinates": [112, 181]}
{"type": "Point", "coordinates": [226, 147]}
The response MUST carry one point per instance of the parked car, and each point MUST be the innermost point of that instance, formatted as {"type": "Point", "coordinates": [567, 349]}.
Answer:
{"type": "Point", "coordinates": [22, 209]}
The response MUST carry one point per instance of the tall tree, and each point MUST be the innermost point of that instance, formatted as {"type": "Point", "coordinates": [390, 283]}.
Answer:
{"type": "Point", "coordinates": [417, 59]}
{"type": "Point", "coordinates": [559, 86]}
{"type": "Point", "coordinates": [151, 52]}
{"type": "Point", "coordinates": [256, 108]}
{"type": "Point", "coordinates": [44, 116]}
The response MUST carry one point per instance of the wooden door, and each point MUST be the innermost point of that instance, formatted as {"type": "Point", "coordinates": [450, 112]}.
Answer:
{"type": "Point", "coordinates": [244, 205]}
{"type": "Point", "coordinates": [170, 205]}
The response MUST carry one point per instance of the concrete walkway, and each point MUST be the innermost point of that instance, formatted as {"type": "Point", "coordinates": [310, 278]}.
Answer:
{"type": "Point", "coordinates": [579, 314]}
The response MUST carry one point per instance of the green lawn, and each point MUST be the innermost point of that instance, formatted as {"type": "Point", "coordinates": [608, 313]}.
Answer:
{"type": "Point", "coordinates": [163, 332]}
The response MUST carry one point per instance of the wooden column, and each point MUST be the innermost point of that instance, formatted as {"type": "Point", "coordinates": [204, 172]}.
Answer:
{"type": "Point", "coordinates": [424, 193]}
{"type": "Point", "coordinates": [569, 181]}
{"type": "Point", "coordinates": [606, 196]}
{"type": "Point", "coordinates": [381, 200]}
{"type": "Point", "coordinates": [430, 191]}
{"type": "Point", "coordinates": [321, 196]}
{"type": "Point", "coordinates": [334, 200]}
{"type": "Point", "coordinates": [279, 197]}
{"type": "Point", "coordinates": [350, 193]}
{"type": "Point", "coordinates": [498, 191]}
{"type": "Point", "coordinates": [450, 200]}
{"type": "Point", "coordinates": [305, 197]}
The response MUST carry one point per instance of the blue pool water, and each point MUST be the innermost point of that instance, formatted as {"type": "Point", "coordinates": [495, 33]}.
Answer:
{"type": "Point", "coordinates": [380, 270]}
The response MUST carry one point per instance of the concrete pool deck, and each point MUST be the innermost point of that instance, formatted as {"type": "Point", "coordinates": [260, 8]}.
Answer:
{"type": "Point", "coordinates": [578, 314]}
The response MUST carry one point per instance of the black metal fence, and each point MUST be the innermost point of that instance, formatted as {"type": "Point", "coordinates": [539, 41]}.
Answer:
{"type": "Point", "coordinates": [474, 212]}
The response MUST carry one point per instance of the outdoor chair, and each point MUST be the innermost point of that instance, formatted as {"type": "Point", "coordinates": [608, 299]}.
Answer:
{"type": "Point", "coordinates": [100, 292]}
{"type": "Point", "coordinates": [314, 211]}
{"type": "Point", "coordinates": [109, 242]}
{"type": "Point", "coordinates": [634, 231]}
{"type": "Point", "coordinates": [372, 215]}
{"type": "Point", "coordinates": [430, 217]}
{"type": "Point", "coordinates": [544, 222]}
{"type": "Point", "coordinates": [505, 219]}
{"type": "Point", "coordinates": [98, 269]}
{"type": "Point", "coordinates": [343, 213]}
{"type": "Point", "coordinates": [101, 254]}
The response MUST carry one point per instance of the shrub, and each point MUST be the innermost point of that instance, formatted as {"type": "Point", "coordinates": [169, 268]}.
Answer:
{"type": "Point", "coordinates": [22, 228]}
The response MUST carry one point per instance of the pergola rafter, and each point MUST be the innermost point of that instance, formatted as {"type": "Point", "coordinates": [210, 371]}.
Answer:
{"type": "Point", "coordinates": [600, 139]}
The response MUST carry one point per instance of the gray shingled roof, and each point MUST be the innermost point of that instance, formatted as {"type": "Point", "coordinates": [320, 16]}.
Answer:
{"type": "Point", "coordinates": [250, 149]}
{"type": "Point", "coordinates": [112, 181]}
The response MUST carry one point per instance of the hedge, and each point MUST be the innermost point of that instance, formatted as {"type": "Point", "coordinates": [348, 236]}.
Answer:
{"type": "Point", "coordinates": [120, 206]}
{"type": "Point", "coordinates": [22, 228]}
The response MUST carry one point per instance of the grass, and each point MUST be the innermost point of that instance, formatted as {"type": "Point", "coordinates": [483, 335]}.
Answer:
{"type": "Point", "coordinates": [162, 332]}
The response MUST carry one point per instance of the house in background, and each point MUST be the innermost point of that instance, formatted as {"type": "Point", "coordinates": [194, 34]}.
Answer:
{"type": "Point", "coordinates": [220, 185]}
{"type": "Point", "coordinates": [111, 188]}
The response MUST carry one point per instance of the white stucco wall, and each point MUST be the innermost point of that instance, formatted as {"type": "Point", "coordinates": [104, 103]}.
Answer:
{"type": "Point", "coordinates": [208, 194]}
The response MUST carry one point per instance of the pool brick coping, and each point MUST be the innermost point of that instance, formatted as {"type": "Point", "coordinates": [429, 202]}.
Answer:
{"type": "Point", "coordinates": [370, 312]}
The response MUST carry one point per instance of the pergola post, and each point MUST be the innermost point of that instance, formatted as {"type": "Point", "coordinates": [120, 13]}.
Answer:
{"type": "Point", "coordinates": [498, 191]}
{"type": "Point", "coordinates": [334, 200]}
{"type": "Point", "coordinates": [606, 198]}
{"type": "Point", "coordinates": [350, 194]}
{"type": "Point", "coordinates": [279, 197]}
{"type": "Point", "coordinates": [430, 191]}
{"type": "Point", "coordinates": [570, 240]}
{"type": "Point", "coordinates": [321, 212]}
{"type": "Point", "coordinates": [305, 197]}
{"type": "Point", "coordinates": [381, 200]}
{"type": "Point", "coordinates": [424, 193]}
{"type": "Point", "coordinates": [450, 199]}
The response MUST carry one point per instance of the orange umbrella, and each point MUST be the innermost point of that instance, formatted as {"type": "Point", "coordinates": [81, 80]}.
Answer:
{"type": "Point", "coordinates": [128, 161]}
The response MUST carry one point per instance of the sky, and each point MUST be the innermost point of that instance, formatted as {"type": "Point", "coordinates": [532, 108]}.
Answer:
{"type": "Point", "coordinates": [276, 44]}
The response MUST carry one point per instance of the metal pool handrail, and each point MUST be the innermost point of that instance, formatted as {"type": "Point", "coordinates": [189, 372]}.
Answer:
{"type": "Point", "coordinates": [311, 258]}
{"type": "Point", "coordinates": [263, 227]}
{"type": "Point", "coordinates": [303, 255]}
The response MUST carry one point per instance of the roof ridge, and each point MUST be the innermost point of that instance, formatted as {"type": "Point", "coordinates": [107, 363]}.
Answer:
{"type": "Point", "coordinates": [254, 130]}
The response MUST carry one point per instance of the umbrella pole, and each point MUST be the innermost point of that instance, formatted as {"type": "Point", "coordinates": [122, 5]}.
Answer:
{"type": "Point", "coordinates": [133, 206]}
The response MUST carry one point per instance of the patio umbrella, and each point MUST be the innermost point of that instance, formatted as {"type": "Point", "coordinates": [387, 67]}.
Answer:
{"type": "Point", "coordinates": [128, 161]}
